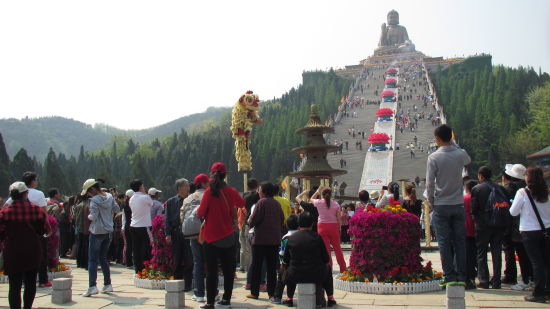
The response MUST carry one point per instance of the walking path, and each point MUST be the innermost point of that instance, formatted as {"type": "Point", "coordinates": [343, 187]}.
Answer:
{"type": "Point", "coordinates": [125, 295]}
{"type": "Point", "coordinates": [364, 121]}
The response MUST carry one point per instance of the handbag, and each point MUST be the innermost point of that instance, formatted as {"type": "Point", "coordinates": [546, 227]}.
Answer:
{"type": "Point", "coordinates": [545, 231]}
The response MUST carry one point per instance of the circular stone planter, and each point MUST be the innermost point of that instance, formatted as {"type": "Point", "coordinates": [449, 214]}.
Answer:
{"type": "Point", "coordinates": [387, 288]}
{"type": "Point", "coordinates": [149, 284]}
{"type": "Point", "coordinates": [159, 284]}
{"type": "Point", "coordinates": [59, 274]}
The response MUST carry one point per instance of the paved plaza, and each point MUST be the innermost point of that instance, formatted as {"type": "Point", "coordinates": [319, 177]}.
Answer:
{"type": "Point", "coordinates": [126, 295]}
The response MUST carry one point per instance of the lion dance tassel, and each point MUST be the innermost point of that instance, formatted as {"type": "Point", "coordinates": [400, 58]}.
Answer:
{"type": "Point", "coordinates": [244, 116]}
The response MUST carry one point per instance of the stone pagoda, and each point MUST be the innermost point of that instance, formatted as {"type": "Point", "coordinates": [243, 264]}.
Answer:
{"type": "Point", "coordinates": [316, 170]}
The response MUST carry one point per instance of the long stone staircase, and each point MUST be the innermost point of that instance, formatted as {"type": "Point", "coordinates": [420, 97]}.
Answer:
{"type": "Point", "coordinates": [364, 166]}
{"type": "Point", "coordinates": [365, 120]}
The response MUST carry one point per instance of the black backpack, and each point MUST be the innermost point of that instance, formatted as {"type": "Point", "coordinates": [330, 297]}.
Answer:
{"type": "Point", "coordinates": [498, 206]}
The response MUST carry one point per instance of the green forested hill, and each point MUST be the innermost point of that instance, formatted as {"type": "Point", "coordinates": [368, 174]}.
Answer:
{"type": "Point", "coordinates": [186, 154]}
{"type": "Point", "coordinates": [488, 106]}
{"type": "Point", "coordinates": [37, 135]}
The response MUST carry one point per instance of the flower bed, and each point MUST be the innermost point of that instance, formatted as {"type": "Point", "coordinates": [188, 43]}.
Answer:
{"type": "Point", "coordinates": [59, 271]}
{"type": "Point", "coordinates": [386, 254]}
{"type": "Point", "coordinates": [151, 284]}
{"type": "Point", "coordinates": [387, 288]}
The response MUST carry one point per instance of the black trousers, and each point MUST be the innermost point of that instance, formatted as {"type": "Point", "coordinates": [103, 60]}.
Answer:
{"type": "Point", "coordinates": [183, 260]}
{"type": "Point", "coordinates": [82, 251]}
{"type": "Point", "coordinates": [538, 251]}
{"type": "Point", "coordinates": [16, 283]}
{"type": "Point", "coordinates": [43, 267]}
{"type": "Point", "coordinates": [142, 246]}
{"type": "Point", "coordinates": [489, 236]}
{"type": "Point", "coordinates": [471, 259]}
{"type": "Point", "coordinates": [128, 248]}
{"type": "Point", "coordinates": [327, 285]}
{"type": "Point", "coordinates": [270, 253]}
{"type": "Point", "coordinates": [512, 248]}
{"type": "Point", "coordinates": [226, 257]}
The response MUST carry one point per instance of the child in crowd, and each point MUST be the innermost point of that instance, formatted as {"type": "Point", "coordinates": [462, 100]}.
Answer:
{"type": "Point", "coordinates": [292, 226]}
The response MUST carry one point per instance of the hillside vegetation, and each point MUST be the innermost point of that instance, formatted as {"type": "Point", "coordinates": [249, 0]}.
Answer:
{"type": "Point", "coordinates": [490, 107]}
{"type": "Point", "coordinates": [38, 135]}
{"type": "Point", "coordinates": [185, 154]}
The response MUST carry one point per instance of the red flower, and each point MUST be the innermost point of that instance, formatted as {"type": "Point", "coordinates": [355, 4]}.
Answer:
{"type": "Point", "coordinates": [390, 81]}
{"type": "Point", "coordinates": [384, 112]}
{"type": "Point", "coordinates": [376, 138]}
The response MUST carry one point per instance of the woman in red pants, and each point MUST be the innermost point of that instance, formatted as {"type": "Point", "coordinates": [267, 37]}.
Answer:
{"type": "Point", "coordinates": [329, 223]}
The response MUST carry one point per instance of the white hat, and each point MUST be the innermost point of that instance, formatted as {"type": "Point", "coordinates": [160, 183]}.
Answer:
{"type": "Point", "coordinates": [87, 185]}
{"type": "Point", "coordinates": [374, 194]}
{"type": "Point", "coordinates": [19, 186]}
{"type": "Point", "coordinates": [515, 170]}
{"type": "Point", "coordinates": [153, 191]}
{"type": "Point", "coordinates": [129, 193]}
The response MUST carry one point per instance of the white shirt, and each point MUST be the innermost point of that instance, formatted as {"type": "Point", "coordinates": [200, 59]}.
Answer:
{"type": "Point", "coordinates": [35, 196]}
{"type": "Point", "coordinates": [140, 204]}
{"type": "Point", "coordinates": [528, 220]}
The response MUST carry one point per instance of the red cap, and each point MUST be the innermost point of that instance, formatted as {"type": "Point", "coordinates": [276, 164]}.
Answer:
{"type": "Point", "coordinates": [200, 179]}
{"type": "Point", "coordinates": [218, 167]}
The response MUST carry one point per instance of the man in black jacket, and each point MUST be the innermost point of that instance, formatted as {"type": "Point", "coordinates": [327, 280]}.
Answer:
{"type": "Point", "coordinates": [181, 248]}
{"type": "Point", "coordinates": [307, 262]}
{"type": "Point", "coordinates": [486, 233]}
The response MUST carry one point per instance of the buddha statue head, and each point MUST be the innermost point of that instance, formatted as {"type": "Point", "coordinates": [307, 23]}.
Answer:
{"type": "Point", "coordinates": [393, 18]}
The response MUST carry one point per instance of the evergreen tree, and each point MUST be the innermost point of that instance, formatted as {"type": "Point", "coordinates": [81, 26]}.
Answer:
{"type": "Point", "coordinates": [21, 163]}
{"type": "Point", "coordinates": [54, 177]}
{"type": "Point", "coordinates": [5, 174]}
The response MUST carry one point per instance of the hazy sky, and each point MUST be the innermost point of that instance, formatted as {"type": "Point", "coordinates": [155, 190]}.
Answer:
{"type": "Point", "coordinates": [137, 64]}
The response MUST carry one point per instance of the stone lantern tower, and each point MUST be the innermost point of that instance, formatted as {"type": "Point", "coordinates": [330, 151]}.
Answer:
{"type": "Point", "coordinates": [315, 171]}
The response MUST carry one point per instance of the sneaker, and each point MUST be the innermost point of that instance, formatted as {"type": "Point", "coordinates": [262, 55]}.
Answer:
{"type": "Point", "coordinates": [45, 285]}
{"type": "Point", "coordinates": [519, 287]}
{"type": "Point", "coordinates": [247, 286]}
{"type": "Point", "coordinates": [470, 285]}
{"type": "Point", "coordinates": [207, 306]}
{"type": "Point", "coordinates": [107, 289]}
{"type": "Point", "coordinates": [263, 288]}
{"type": "Point", "coordinates": [224, 303]}
{"type": "Point", "coordinates": [288, 302]}
{"type": "Point", "coordinates": [252, 296]}
{"type": "Point", "coordinates": [275, 300]}
{"type": "Point", "coordinates": [198, 299]}
{"type": "Point", "coordinates": [535, 299]}
{"type": "Point", "coordinates": [91, 291]}
{"type": "Point", "coordinates": [483, 285]}
{"type": "Point", "coordinates": [331, 303]}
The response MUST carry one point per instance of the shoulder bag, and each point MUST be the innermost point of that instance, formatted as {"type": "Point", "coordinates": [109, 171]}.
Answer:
{"type": "Point", "coordinates": [545, 231]}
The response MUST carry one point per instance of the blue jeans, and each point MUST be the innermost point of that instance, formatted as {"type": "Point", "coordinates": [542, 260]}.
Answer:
{"type": "Point", "coordinates": [451, 238]}
{"type": "Point", "coordinates": [198, 268]}
{"type": "Point", "coordinates": [97, 254]}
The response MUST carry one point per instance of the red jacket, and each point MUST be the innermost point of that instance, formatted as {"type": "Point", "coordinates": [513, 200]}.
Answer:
{"type": "Point", "coordinates": [219, 216]}
{"type": "Point", "coordinates": [469, 222]}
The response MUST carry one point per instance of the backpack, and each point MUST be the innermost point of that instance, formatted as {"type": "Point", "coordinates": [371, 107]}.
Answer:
{"type": "Point", "coordinates": [498, 207]}
{"type": "Point", "coordinates": [190, 222]}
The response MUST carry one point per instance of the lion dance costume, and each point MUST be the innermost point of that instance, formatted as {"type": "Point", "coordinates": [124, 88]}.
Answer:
{"type": "Point", "coordinates": [244, 116]}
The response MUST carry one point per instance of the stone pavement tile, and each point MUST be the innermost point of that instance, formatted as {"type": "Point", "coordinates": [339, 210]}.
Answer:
{"type": "Point", "coordinates": [355, 301]}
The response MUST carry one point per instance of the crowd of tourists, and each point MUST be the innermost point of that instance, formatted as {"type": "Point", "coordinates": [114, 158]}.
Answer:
{"type": "Point", "coordinates": [208, 225]}
{"type": "Point", "coordinates": [470, 217]}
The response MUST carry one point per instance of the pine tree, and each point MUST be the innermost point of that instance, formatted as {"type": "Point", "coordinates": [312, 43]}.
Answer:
{"type": "Point", "coordinates": [21, 163]}
{"type": "Point", "coordinates": [54, 177]}
{"type": "Point", "coordinates": [5, 174]}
